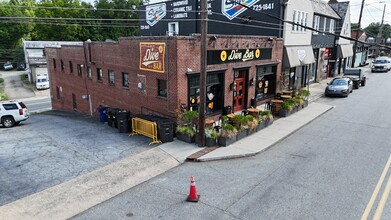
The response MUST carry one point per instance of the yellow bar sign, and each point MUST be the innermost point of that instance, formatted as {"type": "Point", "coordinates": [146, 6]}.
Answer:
{"type": "Point", "coordinates": [152, 56]}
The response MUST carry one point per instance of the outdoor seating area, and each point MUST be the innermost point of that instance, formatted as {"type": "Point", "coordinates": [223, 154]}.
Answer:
{"type": "Point", "coordinates": [288, 102]}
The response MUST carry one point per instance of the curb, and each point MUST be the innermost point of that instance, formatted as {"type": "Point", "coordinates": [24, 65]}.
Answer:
{"type": "Point", "coordinates": [266, 148]}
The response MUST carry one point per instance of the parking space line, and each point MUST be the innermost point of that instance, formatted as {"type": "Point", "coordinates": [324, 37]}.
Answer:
{"type": "Point", "coordinates": [376, 191]}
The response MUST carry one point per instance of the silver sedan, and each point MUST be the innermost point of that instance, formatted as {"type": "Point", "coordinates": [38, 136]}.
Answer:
{"type": "Point", "coordinates": [339, 87]}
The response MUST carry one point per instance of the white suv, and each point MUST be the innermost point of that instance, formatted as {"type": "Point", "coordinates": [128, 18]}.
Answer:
{"type": "Point", "coordinates": [12, 113]}
{"type": "Point", "coordinates": [381, 64]}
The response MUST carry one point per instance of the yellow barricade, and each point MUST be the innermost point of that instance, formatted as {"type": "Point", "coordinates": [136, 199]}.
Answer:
{"type": "Point", "coordinates": [146, 128]}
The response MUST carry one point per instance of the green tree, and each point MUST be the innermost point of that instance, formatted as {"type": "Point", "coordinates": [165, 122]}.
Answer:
{"type": "Point", "coordinates": [68, 26]}
{"type": "Point", "coordinates": [108, 30]}
{"type": "Point", "coordinates": [373, 30]}
{"type": "Point", "coordinates": [13, 30]}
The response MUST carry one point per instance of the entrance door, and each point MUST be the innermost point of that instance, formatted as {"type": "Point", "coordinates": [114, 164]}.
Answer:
{"type": "Point", "coordinates": [240, 90]}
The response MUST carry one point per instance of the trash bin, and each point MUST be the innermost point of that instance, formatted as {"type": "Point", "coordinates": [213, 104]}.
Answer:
{"type": "Point", "coordinates": [227, 110]}
{"type": "Point", "coordinates": [165, 130]}
{"type": "Point", "coordinates": [114, 114]}
{"type": "Point", "coordinates": [124, 123]}
{"type": "Point", "coordinates": [102, 114]}
{"type": "Point", "coordinates": [109, 117]}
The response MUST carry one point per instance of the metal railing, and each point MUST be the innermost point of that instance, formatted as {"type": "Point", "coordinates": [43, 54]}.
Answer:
{"type": "Point", "coordinates": [146, 128]}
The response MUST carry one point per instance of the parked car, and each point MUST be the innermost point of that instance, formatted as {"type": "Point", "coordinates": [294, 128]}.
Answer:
{"type": "Point", "coordinates": [339, 87]}
{"type": "Point", "coordinates": [356, 75]}
{"type": "Point", "coordinates": [8, 66]}
{"type": "Point", "coordinates": [381, 64]}
{"type": "Point", "coordinates": [12, 113]}
{"type": "Point", "coordinates": [21, 67]}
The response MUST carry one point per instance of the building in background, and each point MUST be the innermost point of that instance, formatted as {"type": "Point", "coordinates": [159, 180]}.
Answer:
{"type": "Point", "coordinates": [343, 51]}
{"type": "Point", "coordinates": [362, 49]}
{"type": "Point", "coordinates": [325, 20]}
{"type": "Point", "coordinates": [298, 60]}
{"type": "Point", "coordinates": [35, 57]}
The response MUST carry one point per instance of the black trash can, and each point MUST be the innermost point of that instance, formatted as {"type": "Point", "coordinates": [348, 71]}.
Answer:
{"type": "Point", "coordinates": [109, 117]}
{"type": "Point", "coordinates": [227, 110]}
{"type": "Point", "coordinates": [114, 113]}
{"type": "Point", "coordinates": [165, 129]}
{"type": "Point", "coordinates": [123, 120]}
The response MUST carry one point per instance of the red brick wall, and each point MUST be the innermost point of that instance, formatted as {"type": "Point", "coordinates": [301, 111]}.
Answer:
{"type": "Point", "coordinates": [182, 53]}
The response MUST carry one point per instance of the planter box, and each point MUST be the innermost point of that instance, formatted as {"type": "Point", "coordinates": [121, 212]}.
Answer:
{"type": "Point", "coordinates": [262, 125]}
{"type": "Point", "coordinates": [251, 131]}
{"type": "Point", "coordinates": [305, 103]}
{"type": "Point", "coordinates": [223, 141]}
{"type": "Point", "coordinates": [241, 134]}
{"type": "Point", "coordinates": [185, 138]}
{"type": "Point", "coordinates": [284, 113]}
{"type": "Point", "coordinates": [210, 142]}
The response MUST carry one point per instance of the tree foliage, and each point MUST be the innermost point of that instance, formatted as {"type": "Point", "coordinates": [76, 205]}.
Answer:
{"type": "Point", "coordinates": [373, 30]}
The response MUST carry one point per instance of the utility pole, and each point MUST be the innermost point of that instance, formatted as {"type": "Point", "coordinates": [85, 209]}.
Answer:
{"type": "Point", "coordinates": [204, 32]}
{"type": "Point", "coordinates": [356, 37]}
{"type": "Point", "coordinates": [379, 37]}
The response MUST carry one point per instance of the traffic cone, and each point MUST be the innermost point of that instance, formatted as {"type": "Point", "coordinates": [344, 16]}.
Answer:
{"type": "Point", "coordinates": [193, 197]}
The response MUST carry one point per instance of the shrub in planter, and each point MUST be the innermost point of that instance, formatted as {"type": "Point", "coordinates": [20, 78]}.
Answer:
{"type": "Point", "coordinates": [252, 124]}
{"type": "Point", "coordinates": [267, 117]}
{"type": "Point", "coordinates": [228, 133]}
{"type": "Point", "coordinates": [286, 109]}
{"type": "Point", "coordinates": [185, 133]}
{"type": "Point", "coordinates": [241, 124]}
{"type": "Point", "coordinates": [210, 137]}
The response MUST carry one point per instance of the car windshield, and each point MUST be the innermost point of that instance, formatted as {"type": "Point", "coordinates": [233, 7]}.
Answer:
{"type": "Point", "coordinates": [339, 82]}
{"type": "Point", "coordinates": [380, 61]}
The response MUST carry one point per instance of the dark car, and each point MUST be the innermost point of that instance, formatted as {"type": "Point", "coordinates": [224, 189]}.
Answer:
{"type": "Point", "coordinates": [21, 67]}
{"type": "Point", "coordinates": [339, 87]}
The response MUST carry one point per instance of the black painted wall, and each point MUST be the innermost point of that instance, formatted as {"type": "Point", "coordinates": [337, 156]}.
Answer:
{"type": "Point", "coordinates": [223, 18]}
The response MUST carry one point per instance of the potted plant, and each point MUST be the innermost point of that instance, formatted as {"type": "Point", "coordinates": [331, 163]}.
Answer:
{"type": "Point", "coordinates": [185, 133]}
{"type": "Point", "coordinates": [228, 132]}
{"type": "Point", "coordinates": [305, 93]}
{"type": "Point", "coordinates": [292, 102]}
{"type": "Point", "coordinates": [210, 137]}
{"type": "Point", "coordinates": [186, 124]}
{"type": "Point", "coordinates": [267, 117]}
{"type": "Point", "coordinates": [240, 123]}
{"type": "Point", "coordinates": [252, 124]}
{"type": "Point", "coordinates": [286, 109]}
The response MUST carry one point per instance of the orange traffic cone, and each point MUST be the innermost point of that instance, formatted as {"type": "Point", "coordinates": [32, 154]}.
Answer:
{"type": "Point", "coordinates": [193, 197]}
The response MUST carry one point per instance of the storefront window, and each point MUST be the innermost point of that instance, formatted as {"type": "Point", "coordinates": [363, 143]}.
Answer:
{"type": "Point", "coordinates": [214, 92]}
{"type": "Point", "coordinates": [265, 86]}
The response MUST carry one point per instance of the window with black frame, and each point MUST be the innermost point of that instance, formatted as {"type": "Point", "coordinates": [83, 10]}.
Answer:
{"type": "Point", "coordinates": [162, 88]}
{"type": "Point", "coordinates": [265, 86]}
{"type": "Point", "coordinates": [214, 92]}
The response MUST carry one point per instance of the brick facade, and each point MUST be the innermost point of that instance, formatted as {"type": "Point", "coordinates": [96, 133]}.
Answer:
{"type": "Point", "coordinates": [182, 57]}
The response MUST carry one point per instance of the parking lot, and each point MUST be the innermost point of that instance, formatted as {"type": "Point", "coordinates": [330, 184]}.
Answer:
{"type": "Point", "coordinates": [53, 147]}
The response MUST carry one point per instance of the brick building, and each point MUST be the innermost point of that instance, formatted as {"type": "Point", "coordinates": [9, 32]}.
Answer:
{"type": "Point", "coordinates": [155, 75]}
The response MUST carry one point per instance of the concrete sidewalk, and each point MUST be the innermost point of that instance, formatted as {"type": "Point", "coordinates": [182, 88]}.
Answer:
{"type": "Point", "coordinates": [70, 198]}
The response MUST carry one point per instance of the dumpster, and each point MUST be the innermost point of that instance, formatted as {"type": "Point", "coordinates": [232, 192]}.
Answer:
{"type": "Point", "coordinates": [124, 121]}
{"type": "Point", "coordinates": [102, 114]}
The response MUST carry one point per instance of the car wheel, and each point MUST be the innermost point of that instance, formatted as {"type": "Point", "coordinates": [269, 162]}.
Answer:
{"type": "Point", "coordinates": [8, 122]}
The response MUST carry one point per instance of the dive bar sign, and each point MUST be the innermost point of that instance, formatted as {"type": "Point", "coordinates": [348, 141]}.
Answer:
{"type": "Point", "coordinates": [152, 56]}
{"type": "Point", "coordinates": [239, 55]}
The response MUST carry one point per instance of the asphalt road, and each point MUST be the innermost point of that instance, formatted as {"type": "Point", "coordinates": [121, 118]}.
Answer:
{"type": "Point", "coordinates": [52, 147]}
{"type": "Point", "coordinates": [327, 170]}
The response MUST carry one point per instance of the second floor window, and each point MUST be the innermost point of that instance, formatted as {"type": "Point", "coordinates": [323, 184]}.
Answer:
{"type": "Point", "coordinates": [125, 80]}
{"type": "Point", "coordinates": [79, 69]}
{"type": "Point", "coordinates": [62, 65]}
{"type": "Point", "coordinates": [54, 63]}
{"type": "Point", "coordinates": [162, 87]}
{"type": "Point", "coordinates": [316, 23]}
{"type": "Point", "coordinates": [332, 23]}
{"type": "Point", "coordinates": [99, 74]}
{"type": "Point", "coordinates": [89, 75]}
{"type": "Point", "coordinates": [111, 77]}
{"type": "Point", "coordinates": [71, 66]}
{"type": "Point", "coordinates": [300, 18]}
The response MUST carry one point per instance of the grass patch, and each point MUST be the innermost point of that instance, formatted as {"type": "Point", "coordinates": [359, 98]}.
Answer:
{"type": "Point", "coordinates": [23, 77]}
{"type": "Point", "coordinates": [3, 96]}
